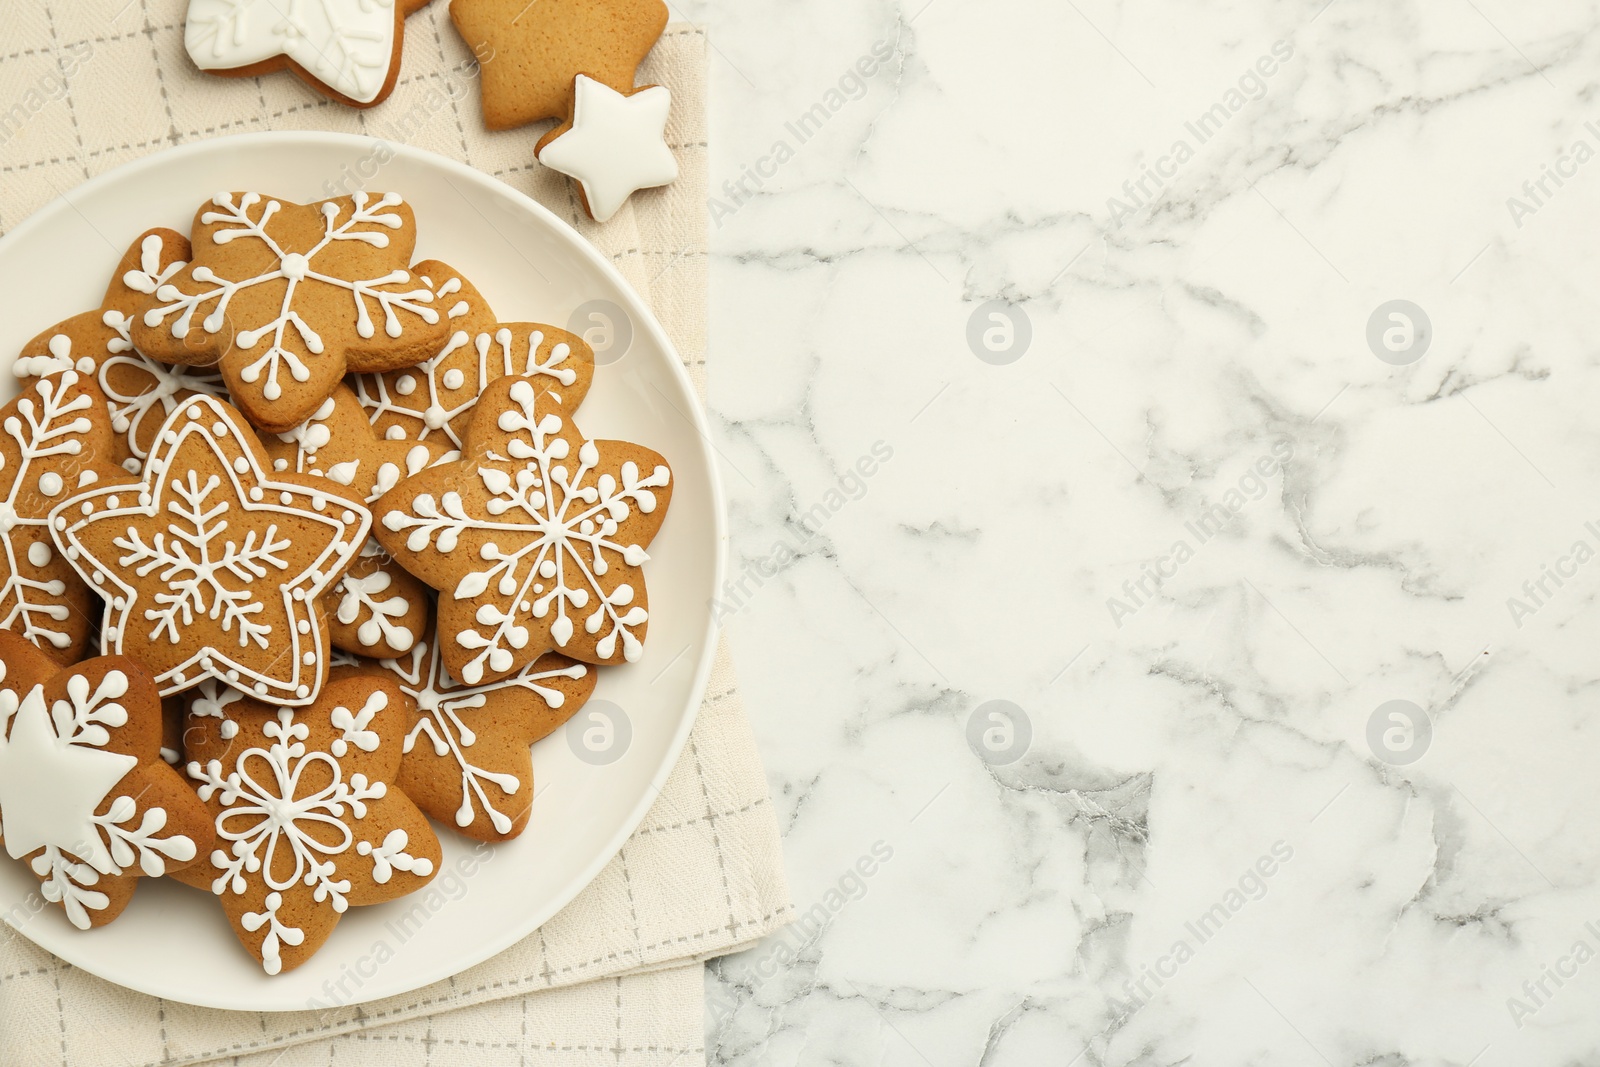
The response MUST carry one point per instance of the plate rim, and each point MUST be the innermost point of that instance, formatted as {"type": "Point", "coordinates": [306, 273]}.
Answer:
{"type": "Point", "coordinates": [63, 202]}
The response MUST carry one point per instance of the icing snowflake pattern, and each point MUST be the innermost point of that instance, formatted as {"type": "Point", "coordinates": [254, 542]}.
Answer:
{"type": "Point", "coordinates": [215, 586]}
{"type": "Point", "coordinates": [307, 821]}
{"type": "Point", "coordinates": [346, 44]}
{"type": "Point", "coordinates": [548, 538]}
{"type": "Point", "coordinates": [446, 709]}
{"type": "Point", "coordinates": [291, 340]}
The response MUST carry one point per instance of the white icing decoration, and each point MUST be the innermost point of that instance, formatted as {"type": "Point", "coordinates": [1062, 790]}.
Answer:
{"type": "Point", "coordinates": [616, 146]}
{"type": "Point", "coordinates": [441, 701]}
{"type": "Point", "coordinates": [39, 554]}
{"type": "Point", "coordinates": [53, 425]}
{"type": "Point", "coordinates": [278, 934]}
{"type": "Point", "coordinates": [498, 353]}
{"type": "Point", "coordinates": [212, 702]}
{"type": "Point", "coordinates": [348, 45]}
{"type": "Point", "coordinates": [551, 542]}
{"type": "Point", "coordinates": [392, 856]}
{"type": "Point", "coordinates": [263, 813]}
{"type": "Point", "coordinates": [297, 268]}
{"type": "Point", "coordinates": [360, 597]}
{"type": "Point", "coordinates": [58, 359]}
{"type": "Point", "coordinates": [199, 547]}
{"type": "Point", "coordinates": [54, 776]}
{"type": "Point", "coordinates": [353, 725]}
{"type": "Point", "coordinates": [129, 410]}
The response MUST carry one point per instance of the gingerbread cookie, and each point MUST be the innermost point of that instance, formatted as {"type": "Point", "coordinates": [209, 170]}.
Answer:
{"type": "Point", "coordinates": [349, 50]}
{"type": "Point", "coordinates": [531, 52]}
{"type": "Point", "coordinates": [85, 798]}
{"type": "Point", "coordinates": [467, 758]}
{"type": "Point", "coordinates": [435, 399]}
{"type": "Point", "coordinates": [142, 391]}
{"type": "Point", "coordinates": [286, 297]}
{"type": "Point", "coordinates": [211, 566]}
{"type": "Point", "coordinates": [535, 538]}
{"type": "Point", "coordinates": [309, 815]}
{"type": "Point", "coordinates": [613, 145]}
{"type": "Point", "coordinates": [55, 438]}
{"type": "Point", "coordinates": [377, 608]}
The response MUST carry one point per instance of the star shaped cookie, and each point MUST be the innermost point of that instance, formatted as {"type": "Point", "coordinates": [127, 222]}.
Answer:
{"type": "Point", "coordinates": [535, 538]}
{"type": "Point", "coordinates": [529, 53]}
{"type": "Point", "coordinates": [209, 565]}
{"type": "Point", "coordinates": [310, 819]}
{"type": "Point", "coordinates": [467, 754]}
{"type": "Point", "coordinates": [85, 798]}
{"type": "Point", "coordinates": [284, 298]}
{"type": "Point", "coordinates": [613, 146]}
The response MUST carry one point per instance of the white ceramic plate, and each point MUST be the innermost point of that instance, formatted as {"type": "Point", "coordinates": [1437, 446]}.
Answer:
{"type": "Point", "coordinates": [173, 941]}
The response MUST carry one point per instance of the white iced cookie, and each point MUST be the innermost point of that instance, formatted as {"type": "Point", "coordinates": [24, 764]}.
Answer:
{"type": "Point", "coordinates": [614, 145]}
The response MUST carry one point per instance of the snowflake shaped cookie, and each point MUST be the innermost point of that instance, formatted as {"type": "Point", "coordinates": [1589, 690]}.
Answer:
{"type": "Point", "coordinates": [286, 297]}
{"type": "Point", "coordinates": [377, 608]}
{"type": "Point", "coordinates": [142, 391]}
{"type": "Point", "coordinates": [54, 439]}
{"type": "Point", "coordinates": [535, 538]}
{"type": "Point", "coordinates": [310, 820]}
{"type": "Point", "coordinates": [467, 759]}
{"type": "Point", "coordinates": [85, 798]}
{"type": "Point", "coordinates": [347, 49]}
{"type": "Point", "coordinates": [435, 399]}
{"type": "Point", "coordinates": [211, 567]}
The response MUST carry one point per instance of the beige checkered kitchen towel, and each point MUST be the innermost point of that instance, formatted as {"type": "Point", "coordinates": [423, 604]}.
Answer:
{"type": "Point", "coordinates": [616, 976]}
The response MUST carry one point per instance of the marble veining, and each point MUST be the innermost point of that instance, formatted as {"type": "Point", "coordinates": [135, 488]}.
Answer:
{"type": "Point", "coordinates": [1208, 836]}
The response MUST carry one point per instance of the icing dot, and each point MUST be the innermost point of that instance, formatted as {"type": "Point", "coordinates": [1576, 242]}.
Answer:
{"type": "Point", "coordinates": [255, 492]}
{"type": "Point", "coordinates": [435, 416]}
{"type": "Point", "coordinates": [278, 465]}
{"type": "Point", "coordinates": [394, 433]}
{"type": "Point", "coordinates": [304, 626]}
{"type": "Point", "coordinates": [285, 496]}
{"type": "Point", "coordinates": [72, 551]}
{"type": "Point", "coordinates": [219, 429]}
{"type": "Point", "coordinates": [294, 266]}
{"type": "Point", "coordinates": [99, 578]}
{"type": "Point", "coordinates": [454, 379]}
{"type": "Point", "coordinates": [309, 658]}
{"type": "Point", "coordinates": [406, 385]}
{"type": "Point", "coordinates": [194, 411]}
{"type": "Point", "coordinates": [113, 501]}
{"type": "Point", "coordinates": [50, 483]}
{"type": "Point", "coordinates": [233, 675]}
{"type": "Point", "coordinates": [87, 507]}
{"type": "Point", "coordinates": [261, 687]}
{"type": "Point", "coordinates": [299, 594]}
{"type": "Point", "coordinates": [131, 465]}
{"type": "Point", "coordinates": [144, 498]}
{"type": "Point", "coordinates": [119, 602]}
{"type": "Point", "coordinates": [61, 523]}
{"type": "Point", "coordinates": [241, 464]}
{"type": "Point", "coordinates": [348, 515]}
{"type": "Point", "coordinates": [170, 437]}
{"type": "Point", "coordinates": [111, 635]}
{"type": "Point", "coordinates": [303, 691]}
{"type": "Point", "coordinates": [39, 554]}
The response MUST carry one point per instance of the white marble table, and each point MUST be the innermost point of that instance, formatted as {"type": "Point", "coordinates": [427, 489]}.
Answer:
{"type": "Point", "coordinates": [1218, 513]}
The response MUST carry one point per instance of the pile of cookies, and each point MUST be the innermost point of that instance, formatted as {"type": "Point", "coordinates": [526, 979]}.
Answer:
{"type": "Point", "coordinates": [573, 61]}
{"type": "Point", "coordinates": [303, 549]}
